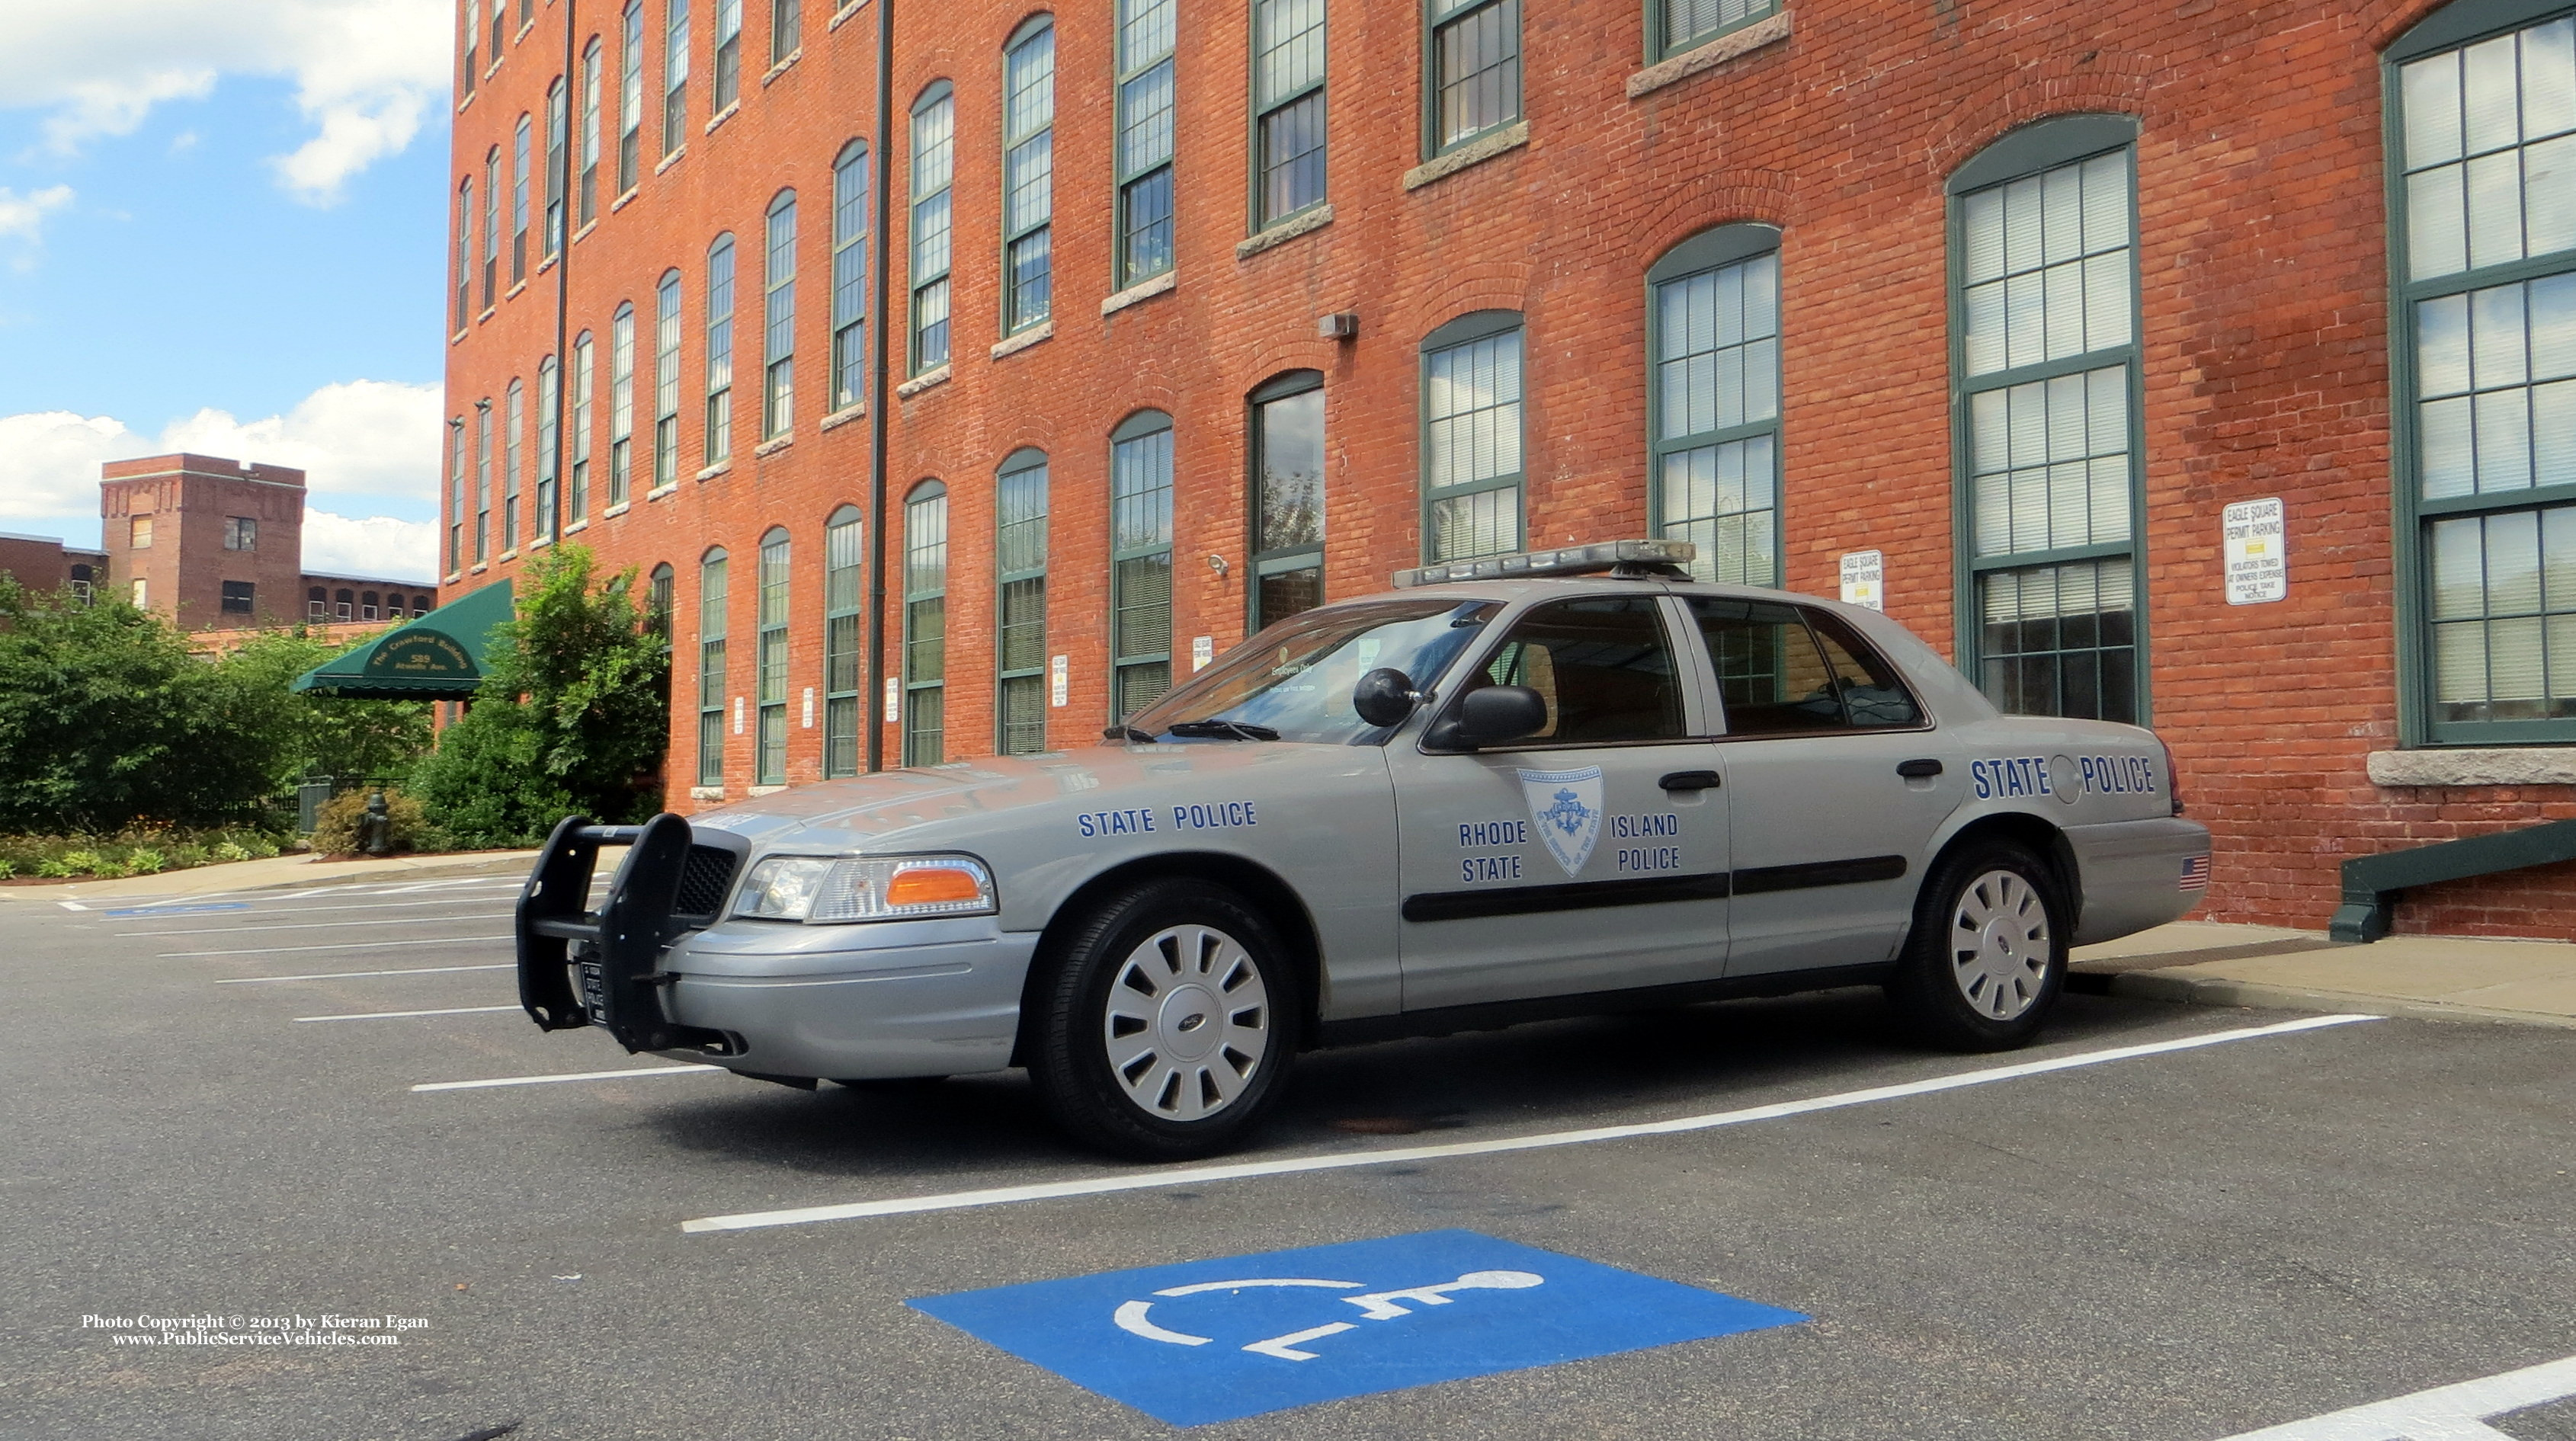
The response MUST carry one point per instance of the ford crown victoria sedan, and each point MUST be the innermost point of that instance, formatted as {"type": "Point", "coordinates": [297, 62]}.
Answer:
{"type": "Point", "coordinates": [1542, 785]}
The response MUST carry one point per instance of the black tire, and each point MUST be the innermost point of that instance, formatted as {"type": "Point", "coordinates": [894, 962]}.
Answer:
{"type": "Point", "coordinates": [1195, 990]}
{"type": "Point", "coordinates": [1962, 986]}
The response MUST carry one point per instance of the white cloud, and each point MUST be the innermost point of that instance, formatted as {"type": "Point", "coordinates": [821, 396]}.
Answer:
{"type": "Point", "coordinates": [370, 445]}
{"type": "Point", "coordinates": [365, 71]}
{"type": "Point", "coordinates": [372, 545]}
{"type": "Point", "coordinates": [22, 217]}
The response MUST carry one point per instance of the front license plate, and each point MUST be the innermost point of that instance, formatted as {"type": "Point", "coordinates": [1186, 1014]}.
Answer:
{"type": "Point", "coordinates": [593, 997]}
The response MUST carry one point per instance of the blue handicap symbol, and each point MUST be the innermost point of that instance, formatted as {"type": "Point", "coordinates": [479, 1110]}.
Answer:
{"type": "Point", "coordinates": [1220, 1340]}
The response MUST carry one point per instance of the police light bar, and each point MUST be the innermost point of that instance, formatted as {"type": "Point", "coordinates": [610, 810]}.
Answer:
{"type": "Point", "coordinates": [1657, 557]}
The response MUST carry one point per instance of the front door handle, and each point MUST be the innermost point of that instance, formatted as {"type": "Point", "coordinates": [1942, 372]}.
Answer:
{"type": "Point", "coordinates": [1691, 781]}
{"type": "Point", "coordinates": [1918, 770]}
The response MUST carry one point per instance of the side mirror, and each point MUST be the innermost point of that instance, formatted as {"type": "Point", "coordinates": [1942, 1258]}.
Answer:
{"type": "Point", "coordinates": [1491, 716]}
{"type": "Point", "coordinates": [1384, 697]}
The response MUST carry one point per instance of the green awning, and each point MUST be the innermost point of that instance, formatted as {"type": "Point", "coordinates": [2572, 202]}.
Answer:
{"type": "Point", "coordinates": [439, 656]}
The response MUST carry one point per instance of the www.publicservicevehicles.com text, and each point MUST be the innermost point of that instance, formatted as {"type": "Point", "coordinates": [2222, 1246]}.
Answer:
{"type": "Point", "coordinates": [210, 1329]}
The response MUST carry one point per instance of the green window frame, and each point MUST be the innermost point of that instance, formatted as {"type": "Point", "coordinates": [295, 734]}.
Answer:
{"type": "Point", "coordinates": [1289, 117]}
{"type": "Point", "coordinates": [778, 331]}
{"type": "Point", "coordinates": [630, 99]}
{"type": "Point", "coordinates": [925, 625]}
{"type": "Point", "coordinates": [850, 275]}
{"type": "Point", "coordinates": [514, 420]}
{"type": "Point", "coordinates": [558, 124]}
{"type": "Point", "coordinates": [492, 227]}
{"type": "Point", "coordinates": [711, 667]}
{"type": "Point", "coordinates": [2048, 439]}
{"type": "Point", "coordinates": [549, 519]}
{"type": "Point", "coordinates": [1028, 176]}
{"type": "Point", "coordinates": [1286, 448]}
{"type": "Point", "coordinates": [1472, 447]}
{"type": "Point", "coordinates": [621, 403]}
{"type": "Point", "coordinates": [1713, 401]}
{"type": "Point", "coordinates": [1471, 71]}
{"type": "Point", "coordinates": [1019, 565]}
{"type": "Point", "coordinates": [661, 595]}
{"type": "Point", "coordinates": [719, 426]}
{"type": "Point", "coordinates": [482, 480]}
{"type": "Point", "coordinates": [584, 377]}
{"type": "Point", "coordinates": [786, 29]}
{"type": "Point", "coordinates": [1674, 27]}
{"type": "Point", "coordinates": [2480, 110]}
{"type": "Point", "coordinates": [844, 641]}
{"type": "Point", "coordinates": [521, 166]}
{"type": "Point", "coordinates": [728, 77]}
{"type": "Point", "coordinates": [675, 76]}
{"type": "Point", "coordinates": [1140, 562]}
{"type": "Point", "coordinates": [934, 170]}
{"type": "Point", "coordinates": [587, 204]}
{"type": "Point", "coordinates": [464, 253]}
{"type": "Point", "coordinates": [770, 694]}
{"type": "Point", "coordinates": [1146, 106]}
{"type": "Point", "coordinates": [456, 495]}
{"type": "Point", "coordinates": [666, 382]}
{"type": "Point", "coordinates": [473, 46]}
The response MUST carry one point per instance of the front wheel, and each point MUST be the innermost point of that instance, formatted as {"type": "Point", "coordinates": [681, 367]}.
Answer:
{"type": "Point", "coordinates": [1167, 1023]}
{"type": "Point", "coordinates": [1987, 957]}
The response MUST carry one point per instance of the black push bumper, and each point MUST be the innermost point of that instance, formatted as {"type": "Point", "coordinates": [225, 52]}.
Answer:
{"type": "Point", "coordinates": [579, 967]}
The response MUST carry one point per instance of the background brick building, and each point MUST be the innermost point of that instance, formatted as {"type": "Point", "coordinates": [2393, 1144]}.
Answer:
{"type": "Point", "coordinates": [43, 562]}
{"type": "Point", "coordinates": [2020, 295]}
{"type": "Point", "coordinates": [219, 544]}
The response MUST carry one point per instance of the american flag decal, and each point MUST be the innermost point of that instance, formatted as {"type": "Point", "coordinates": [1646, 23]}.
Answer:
{"type": "Point", "coordinates": [2195, 873]}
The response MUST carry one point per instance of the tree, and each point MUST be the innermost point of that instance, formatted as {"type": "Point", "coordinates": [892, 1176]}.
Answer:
{"type": "Point", "coordinates": [323, 735]}
{"type": "Point", "coordinates": [573, 714]}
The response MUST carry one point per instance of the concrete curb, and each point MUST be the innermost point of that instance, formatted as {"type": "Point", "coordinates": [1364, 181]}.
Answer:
{"type": "Point", "coordinates": [2217, 991]}
{"type": "Point", "coordinates": [273, 873]}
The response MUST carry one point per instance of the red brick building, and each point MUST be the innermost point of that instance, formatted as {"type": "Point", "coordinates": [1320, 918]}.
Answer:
{"type": "Point", "coordinates": [43, 562]}
{"type": "Point", "coordinates": [956, 421]}
{"type": "Point", "coordinates": [219, 544]}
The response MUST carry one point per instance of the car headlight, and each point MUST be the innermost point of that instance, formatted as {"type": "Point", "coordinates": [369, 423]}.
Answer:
{"type": "Point", "coordinates": [827, 889]}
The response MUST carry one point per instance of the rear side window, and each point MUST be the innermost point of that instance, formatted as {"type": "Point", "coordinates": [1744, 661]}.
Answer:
{"type": "Point", "coordinates": [1603, 666]}
{"type": "Point", "coordinates": [1785, 669]}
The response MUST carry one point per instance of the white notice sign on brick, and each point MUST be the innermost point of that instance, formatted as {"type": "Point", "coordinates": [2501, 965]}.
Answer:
{"type": "Point", "coordinates": [1202, 650]}
{"type": "Point", "coordinates": [1059, 681]}
{"type": "Point", "coordinates": [1864, 576]}
{"type": "Point", "coordinates": [893, 699]}
{"type": "Point", "coordinates": [2258, 552]}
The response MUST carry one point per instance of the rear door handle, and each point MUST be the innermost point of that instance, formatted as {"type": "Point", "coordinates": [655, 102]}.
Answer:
{"type": "Point", "coordinates": [1917, 770]}
{"type": "Point", "coordinates": [1691, 781]}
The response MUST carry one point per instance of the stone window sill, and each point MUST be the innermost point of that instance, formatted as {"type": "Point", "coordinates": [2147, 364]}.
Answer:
{"type": "Point", "coordinates": [617, 510]}
{"type": "Point", "coordinates": [844, 13]}
{"type": "Point", "coordinates": [1286, 230]}
{"type": "Point", "coordinates": [757, 792]}
{"type": "Point", "coordinates": [538, 544]}
{"type": "Point", "coordinates": [486, 315]}
{"type": "Point", "coordinates": [467, 103]}
{"type": "Point", "coordinates": [1716, 52]}
{"type": "Point", "coordinates": [1044, 330]}
{"type": "Point", "coordinates": [618, 204]}
{"type": "Point", "coordinates": [844, 416]}
{"type": "Point", "coordinates": [674, 158]}
{"type": "Point", "coordinates": [721, 116]}
{"type": "Point", "coordinates": [2481, 766]}
{"type": "Point", "coordinates": [706, 793]}
{"type": "Point", "coordinates": [1510, 137]}
{"type": "Point", "coordinates": [511, 554]}
{"type": "Point", "coordinates": [712, 471]}
{"type": "Point", "coordinates": [545, 265]}
{"type": "Point", "coordinates": [513, 292]}
{"type": "Point", "coordinates": [453, 577]}
{"type": "Point", "coordinates": [577, 527]}
{"type": "Point", "coordinates": [783, 66]}
{"type": "Point", "coordinates": [592, 225]}
{"type": "Point", "coordinates": [662, 492]}
{"type": "Point", "coordinates": [1145, 289]}
{"type": "Point", "coordinates": [772, 446]}
{"type": "Point", "coordinates": [920, 383]}
{"type": "Point", "coordinates": [477, 568]}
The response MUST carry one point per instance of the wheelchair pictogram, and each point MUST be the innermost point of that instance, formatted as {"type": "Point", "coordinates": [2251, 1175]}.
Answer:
{"type": "Point", "coordinates": [1131, 1317]}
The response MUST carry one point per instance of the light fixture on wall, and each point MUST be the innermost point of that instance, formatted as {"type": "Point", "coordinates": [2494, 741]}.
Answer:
{"type": "Point", "coordinates": [1217, 563]}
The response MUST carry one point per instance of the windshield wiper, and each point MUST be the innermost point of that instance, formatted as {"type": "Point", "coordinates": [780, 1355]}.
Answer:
{"type": "Point", "coordinates": [1126, 733]}
{"type": "Point", "coordinates": [1222, 730]}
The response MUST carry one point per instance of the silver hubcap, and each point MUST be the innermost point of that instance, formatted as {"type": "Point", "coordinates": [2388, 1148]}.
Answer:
{"type": "Point", "coordinates": [1188, 1023]}
{"type": "Point", "coordinates": [1999, 945]}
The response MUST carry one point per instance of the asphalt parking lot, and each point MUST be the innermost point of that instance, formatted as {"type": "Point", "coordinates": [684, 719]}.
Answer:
{"type": "Point", "coordinates": [248, 1107]}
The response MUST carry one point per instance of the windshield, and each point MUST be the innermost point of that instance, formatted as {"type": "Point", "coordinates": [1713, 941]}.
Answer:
{"type": "Point", "coordinates": [1293, 681]}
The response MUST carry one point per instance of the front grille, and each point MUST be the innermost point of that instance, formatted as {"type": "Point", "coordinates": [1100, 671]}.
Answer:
{"type": "Point", "coordinates": [705, 878]}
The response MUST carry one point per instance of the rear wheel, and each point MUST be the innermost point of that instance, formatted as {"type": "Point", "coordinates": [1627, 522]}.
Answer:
{"type": "Point", "coordinates": [1987, 958]}
{"type": "Point", "coordinates": [1166, 1024]}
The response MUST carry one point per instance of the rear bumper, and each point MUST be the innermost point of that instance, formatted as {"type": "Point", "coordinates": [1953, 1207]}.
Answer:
{"type": "Point", "coordinates": [872, 1000]}
{"type": "Point", "coordinates": [2138, 874]}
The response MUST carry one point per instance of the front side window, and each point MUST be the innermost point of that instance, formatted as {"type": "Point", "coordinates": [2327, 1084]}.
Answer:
{"type": "Point", "coordinates": [1474, 59]}
{"type": "Point", "coordinates": [728, 82]}
{"type": "Point", "coordinates": [1145, 105]}
{"type": "Point", "coordinates": [778, 333]}
{"type": "Point", "coordinates": [630, 98]}
{"type": "Point", "coordinates": [1603, 667]}
{"type": "Point", "coordinates": [491, 227]}
{"type": "Point", "coordinates": [1714, 401]}
{"type": "Point", "coordinates": [1791, 670]}
{"type": "Point", "coordinates": [1287, 108]}
{"type": "Point", "coordinates": [1471, 452]}
{"type": "Point", "coordinates": [1028, 177]}
{"type": "Point", "coordinates": [1296, 684]}
{"type": "Point", "coordinates": [513, 422]}
{"type": "Point", "coordinates": [849, 276]}
{"type": "Point", "coordinates": [621, 404]}
{"type": "Point", "coordinates": [786, 29]}
{"type": "Point", "coordinates": [577, 504]}
{"type": "Point", "coordinates": [139, 531]}
{"type": "Point", "coordinates": [925, 625]}
{"type": "Point", "coordinates": [473, 46]}
{"type": "Point", "coordinates": [771, 758]}
{"type": "Point", "coordinates": [843, 571]}
{"type": "Point", "coordinates": [482, 481]}
{"type": "Point", "coordinates": [675, 76]}
{"type": "Point", "coordinates": [720, 350]}
{"type": "Point", "coordinates": [549, 437]}
{"type": "Point", "coordinates": [1673, 26]}
{"type": "Point", "coordinates": [1287, 497]}
{"type": "Point", "coordinates": [519, 147]}
{"type": "Point", "coordinates": [711, 669]}
{"type": "Point", "coordinates": [590, 62]}
{"type": "Point", "coordinates": [2485, 347]}
{"type": "Point", "coordinates": [1020, 559]}
{"type": "Point", "coordinates": [455, 500]}
{"type": "Point", "coordinates": [241, 532]}
{"type": "Point", "coordinates": [557, 121]}
{"type": "Point", "coordinates": [2047, 353]}
{"type": "Point", "coordinates": [660, 596]}
{"type": "Point", "coordinates": [238, 596]}
{"type": "Point", "coordinates": [934, 136]}
{"type": "Point", "coordinates": [1140, 563]}
{"type": "Point", "coordinates": [666, 382]}
{"type": "Point", "coordinates": [464, 253]}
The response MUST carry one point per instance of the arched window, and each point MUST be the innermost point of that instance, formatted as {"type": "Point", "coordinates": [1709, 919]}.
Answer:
{"type": "Point", "coordinates": [1287, 109]}
{"type": "Point", "coordinates": [2045, 365]}
{"type": "Point", "coordinates": [513, 421]}
{"type": "Point", "coordinates": [925, 624]}
{"type": "Point", "coordinates": [849, 275]}
{"type": "Point", "coordinates": [1713, 400]}
{"type": "Point", "coordinates": [778, 330]}
{"type": "Point", "coordinates": [558, 128]}
{"type": "Point", "coordinates": [577, 503]}
{"type": "Point", "coordinates": [675, 76]}
{"type": "Point", "coordinates": [720, 350]}
{"type": "Point", "coordinates": [464, 252]}
{"type": "Point", "coordinates": [711, 668]}
{"type": "Point", "coordinates": [621, 404]}
{"type": "Point", "coordinates": [455, 495]}
{"type": "Point", "coordinates": [666, 381]}
{"type": "Point", "coordinates": [317, 604]}
{"type": "Point", "coordinates": [841, 642]}
{"type": "Point", "coordinates": [491, 227]}
{"type": "Point", "coordinates": [1287, 448]}
{"type": "Point", "coordinates": [1140, 562]}
{"type": "Point", "coordinates": [728, 76]}
{"type": "Point", "coordinates": [1144, 164]}
{"type": "Point", "coordinates": [771, 680]}
{"type": "Point", "coordinates": [1028, 175]}
{"type": "Point", "coordinates": [521, 142]}
{"type": "Point", "coordinates": [2483, 355]}
{"type": "Point", "coordinates": [482, 480]}
{"type": "Point", "coordinates": [588, 210]}
{"type": "Point", "coordinates": [1673, 26]}
{"type": "Point", "coordinates": [1471, 437]}
{"type": "Point", "coordinates": [420, 606]}
{"type": "Point", "coordinates": [344, 605]}
{"type": "Point", "coordinates": [549, 518]}
{"type": "Point", "coordinates": [368, 605]}
{"type": "Point", "coordinates": [660, 596]}
{"type": "Point", "coordinates": [630, 97]}
{"type": "Point", "coordinates": [1471, 81]}
{"type": "Point", "coordinates": [1019, 564]}
{"type": "Point", "coordinates": [934, 144]}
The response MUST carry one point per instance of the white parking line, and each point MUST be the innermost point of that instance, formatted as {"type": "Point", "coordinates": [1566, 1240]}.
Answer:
{"type": "Point", "coordinates": [342, 946]}
{"type": "Point", "coordinates": [2445, 1413]}
{"type": "Point", "coordinates": [354, 975]}
{"type": "Point", "coordinates": [405, 1015]}
{"type": "Point", "coordinates": [306, 926]}
{"type": "Point", "coordinates": [572, 1076]}
{"type": "Point", "coordinates": [1244, 1170]}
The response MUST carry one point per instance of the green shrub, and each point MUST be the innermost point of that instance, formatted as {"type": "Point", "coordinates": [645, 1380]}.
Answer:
{"type": "Point", "coordinates": [336, 829]}
{"type": "Point", "coordinates": [53, 869]}
{"type": "Point", "coordinates": [145, 861]}
{"type": "Point", "coordinates": [227, 851]}
{"type": "Point", "coordinates": [82, 863]}
{"type": "Point", "coordinates": [8, 871]}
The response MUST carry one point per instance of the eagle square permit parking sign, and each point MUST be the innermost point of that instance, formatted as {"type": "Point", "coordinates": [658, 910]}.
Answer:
{"type": "Point", "coordinates": [1208, 1341]}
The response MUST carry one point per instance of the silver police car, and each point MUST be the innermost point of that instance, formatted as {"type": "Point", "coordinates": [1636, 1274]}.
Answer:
{"type": "Point", "coordinates": [1526, 787]}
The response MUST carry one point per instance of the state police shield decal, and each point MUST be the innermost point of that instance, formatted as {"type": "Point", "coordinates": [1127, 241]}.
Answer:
{"type": "Point", "coordinates": [1566, 808]}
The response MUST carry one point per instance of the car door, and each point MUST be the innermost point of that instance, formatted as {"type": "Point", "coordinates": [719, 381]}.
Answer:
{"type": "Point", "coordinates": [1591, 856]}
{"type": "Point", "coordinates": [1835, 786]}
